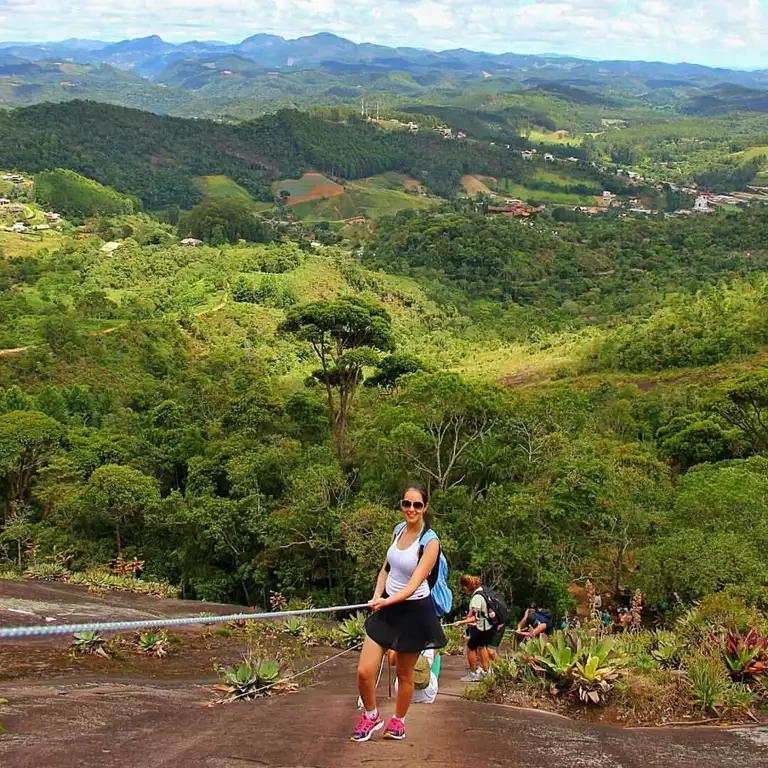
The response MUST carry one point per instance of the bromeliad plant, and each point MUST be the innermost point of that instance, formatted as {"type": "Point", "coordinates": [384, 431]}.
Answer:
{"type": "Point", "coordinates": [595, 677]}
{"type": "Point", "coordinates": [588, 667]}
{"type": "Point", "coordinates": [250, 679]}
{"type": "Point", "coordinates": [556, 659]}
{"type": "Point", "coordinates": [351, 632]}
{"type": "Point", "coordinates": [154, 643]}
{"type": "Point", "coordinates": [745, 656]}
{"type": "Point", "coordinates": [668, 651]}
{"type": "Point", "coordinates": [90, 643]}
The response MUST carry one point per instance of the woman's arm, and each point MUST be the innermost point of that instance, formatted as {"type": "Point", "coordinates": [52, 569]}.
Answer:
{"type": "Point", "coordinates": [381, 582]}
{"type": "Point", "coordinates": [423, 569]}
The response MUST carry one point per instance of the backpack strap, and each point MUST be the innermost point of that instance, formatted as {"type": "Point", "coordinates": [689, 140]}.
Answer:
{"type": "Point", "coordinates": [427, 536]}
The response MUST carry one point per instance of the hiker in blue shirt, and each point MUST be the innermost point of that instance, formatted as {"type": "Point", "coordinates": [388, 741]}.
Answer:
{"type": "Point", "coordinates": [535, 622]}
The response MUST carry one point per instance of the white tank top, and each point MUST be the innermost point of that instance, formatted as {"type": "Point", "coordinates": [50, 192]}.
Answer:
{"type": "Point", "coordinates": [402, 564]}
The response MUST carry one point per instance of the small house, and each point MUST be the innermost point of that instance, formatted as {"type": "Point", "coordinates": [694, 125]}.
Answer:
{"type": "Point", "coordinates": [549, 158]}
{"type": "Point", "coordinates": [19, 226]}
{"type": "Point", "coordinates": [527, 155]}
{"type": "Point", "coordinates": [109, 247]}
{"type": "Point", "coordinates": [16, 208]}
{"type": "Point", "coordinates": [702, 204]}
{"type": "Point", "coordinates": [191, 241]}
{"type": "Point", "coordinates": [4, 201]}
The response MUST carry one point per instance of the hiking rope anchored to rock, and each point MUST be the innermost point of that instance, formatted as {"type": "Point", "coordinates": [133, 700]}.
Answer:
{"type": "Point", "coordinates": [12, 633]}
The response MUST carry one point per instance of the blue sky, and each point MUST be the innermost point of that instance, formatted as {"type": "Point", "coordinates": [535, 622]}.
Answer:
{"type": "Point", "coordinates": [718, 32]}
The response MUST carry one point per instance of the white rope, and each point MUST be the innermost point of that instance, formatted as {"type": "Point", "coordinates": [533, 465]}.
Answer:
{"type": "Point", "coordinates": [12, 633]}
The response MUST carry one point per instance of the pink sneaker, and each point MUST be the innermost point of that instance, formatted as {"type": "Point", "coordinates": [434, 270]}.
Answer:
{"type": "Point", "coordinates": [395, 729]}
{"type": "Point", "coordinates": [366, 727]}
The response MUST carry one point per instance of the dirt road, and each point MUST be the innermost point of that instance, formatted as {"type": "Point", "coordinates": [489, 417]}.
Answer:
{"type": "Point", "coordinates": [141, 722]}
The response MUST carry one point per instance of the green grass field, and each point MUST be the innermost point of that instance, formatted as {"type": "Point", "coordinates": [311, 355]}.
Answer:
{"type": "Point", "coordinates": [521, 192]}
{"type": "Point", "coordinates": [223, 187]}
{"type": "Point", "coordinates": [752, 153]}
{"type": "Point", "coordinates": [564, 180]}
{"type": "Point", "coordinates": [546, 137]}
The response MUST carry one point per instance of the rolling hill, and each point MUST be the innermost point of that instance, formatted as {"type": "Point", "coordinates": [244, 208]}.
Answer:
{"type": "Point", "coordinates": [160, 159]}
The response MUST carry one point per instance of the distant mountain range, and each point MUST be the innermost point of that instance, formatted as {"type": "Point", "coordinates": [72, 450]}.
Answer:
{"type": "Point", "coordinates": [202, 77]}
{"type": "Point", "coordinates": [149, 56]}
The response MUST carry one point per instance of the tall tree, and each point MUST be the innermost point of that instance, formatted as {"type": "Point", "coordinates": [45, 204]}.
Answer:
{"type": "Point", "coordinates": [346, 335]}
{"type": "Point", "coordinates": [121, 492]}
{"type": "Point", "coordinates": [27, 440]}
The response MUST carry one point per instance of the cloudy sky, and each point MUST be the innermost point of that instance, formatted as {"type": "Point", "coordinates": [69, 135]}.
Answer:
{"type": "Point", "coordinates": [720, 32]}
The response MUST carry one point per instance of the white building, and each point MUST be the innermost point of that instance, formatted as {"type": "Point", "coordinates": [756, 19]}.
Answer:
{"type": "Point", "coordinates": [549, 158]}
{"type": "Point", "coordinates": [702, 205]}
{"type": "Point", "coordinates": [4, 201]}
{"type": "Point", "coordinates": [194, 242]}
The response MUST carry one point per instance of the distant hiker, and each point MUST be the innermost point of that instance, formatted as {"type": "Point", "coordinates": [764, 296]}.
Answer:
{"type": "Point", "coordinates": [625, 618]}
{"type": "Point", "coordinates": [487, 622]}
{"type": "Point", "coordinates": [535, 622]}
{"type": "Point", "coordinates": [410, 595]}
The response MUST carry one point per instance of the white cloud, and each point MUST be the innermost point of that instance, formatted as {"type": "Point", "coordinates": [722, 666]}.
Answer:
{"type": "Point", "coordinates": [725, 32]}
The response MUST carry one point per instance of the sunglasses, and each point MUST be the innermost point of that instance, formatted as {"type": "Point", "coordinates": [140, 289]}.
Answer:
{"type": "Point", "coordinates": [406, 504]}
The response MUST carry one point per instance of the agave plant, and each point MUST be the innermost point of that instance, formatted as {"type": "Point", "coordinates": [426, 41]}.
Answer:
{"type": "Point", "coordinates": [594, 678]}
{"type": "Point", "coordinates": [351, 631]}
{"type": "Point", "coordinates": [90, 643]}
{"type": "Point", "coordinates": [249, 679]}
{"type": "Point", "coordinates": [154, 643]}
{"type": "Point", "coordinates": [746, 656]}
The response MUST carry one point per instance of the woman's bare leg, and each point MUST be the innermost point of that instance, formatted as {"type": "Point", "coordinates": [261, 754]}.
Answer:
{"type": "Point", "coordinates": [405, 664]}
{"type": "Point", "coordinates": [367, 671]}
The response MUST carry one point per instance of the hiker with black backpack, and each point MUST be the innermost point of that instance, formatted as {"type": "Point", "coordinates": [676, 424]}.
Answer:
{"type": "Point", "coordinates": [487, 620]}
{"type": "Point", "coordinates": [411, 595]}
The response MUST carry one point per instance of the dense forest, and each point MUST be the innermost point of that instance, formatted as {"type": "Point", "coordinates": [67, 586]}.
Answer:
{"type": "Point", "coordinates": [204, 409]}
{"type": "Point", "coordinates": [158, 159]}
{"type": "Point", "coordinates": [592, 272]}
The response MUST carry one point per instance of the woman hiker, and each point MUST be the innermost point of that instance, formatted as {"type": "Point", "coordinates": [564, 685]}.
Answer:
{"type": "Point", "coordinates": [403, 619]}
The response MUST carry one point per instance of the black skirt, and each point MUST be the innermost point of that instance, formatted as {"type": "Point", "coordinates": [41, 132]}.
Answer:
{"type": "Point", "coordinates": [408, 627]}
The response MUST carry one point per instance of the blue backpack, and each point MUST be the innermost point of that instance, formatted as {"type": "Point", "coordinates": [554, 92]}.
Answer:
{"type": "Point", "coordinates": [442, 596]}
